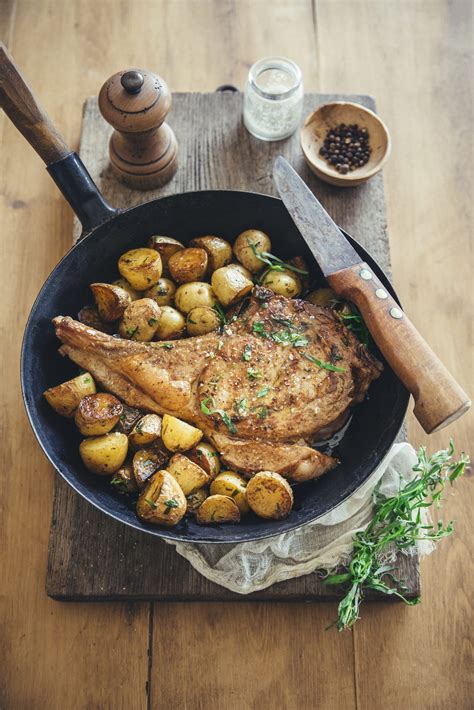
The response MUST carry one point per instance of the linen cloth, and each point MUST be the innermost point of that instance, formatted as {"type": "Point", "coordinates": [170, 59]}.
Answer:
{"type": "Point", "coordinates": [324, 544]}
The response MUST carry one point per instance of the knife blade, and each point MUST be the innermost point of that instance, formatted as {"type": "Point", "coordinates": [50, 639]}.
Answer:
{"type": "Point", "coordinates": [328, 244]}
{"type": "Point", "coordinates": [439, 400]}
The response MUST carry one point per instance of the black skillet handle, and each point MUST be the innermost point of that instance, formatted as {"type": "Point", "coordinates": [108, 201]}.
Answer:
{"type": "Point", "coordinates": [64, 166]}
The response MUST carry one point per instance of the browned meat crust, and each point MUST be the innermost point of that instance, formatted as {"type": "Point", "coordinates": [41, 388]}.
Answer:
{"type": "Point", "coordinates": [267, 380]}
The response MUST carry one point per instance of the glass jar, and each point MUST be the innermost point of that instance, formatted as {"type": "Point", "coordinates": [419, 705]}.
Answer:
{"type": "Point", "coordinates": [273, 99]}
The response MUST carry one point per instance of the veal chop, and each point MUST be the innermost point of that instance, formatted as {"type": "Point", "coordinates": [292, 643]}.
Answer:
{"type": "Point", "coordinates": [261, 390]}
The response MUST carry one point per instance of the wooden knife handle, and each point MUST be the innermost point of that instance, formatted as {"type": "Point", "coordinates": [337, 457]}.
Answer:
{"type": "Point", "coordinates": [439, 400]}
{"type": "Point", "coordinates": [18, 102]}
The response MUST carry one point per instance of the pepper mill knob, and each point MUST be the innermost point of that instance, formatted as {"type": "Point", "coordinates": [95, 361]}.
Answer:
{"type": "Point", "coordinates": [143, 148]}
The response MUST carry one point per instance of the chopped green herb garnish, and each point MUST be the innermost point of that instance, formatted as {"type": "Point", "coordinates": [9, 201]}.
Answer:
{"type": "Point", "coordinates": [247, 354]}
{"type": "Point", "coordinates": [259, 328]}
{"type": "Point", "coordinates": [221, 313]}
{"type": "Point", "coordinates": [131, 331]}
{"type": "Point", "coordinates": [190, 320]}
{"type": "Point", "coordinates": [138, 426]}
{"type": "Point", "coordinates": [235, 492]}
{"type": "Point", "coordinates": [167, 346]}
{"type": "Point", "coordinates": [241, 406]}
{"type": "Point", "coordinates": [262, 412]}
{"type": "Point", "coordinates": [274, 262]}
{"type": "Point", "coordinates": [224, 416]}
{"type": "Point", "coordinates": [171, 503]}
{"type": "Point", "coordinates": [152, 321]}
{"type": "Point", "coordinates": [263, 392]}
{"type": "Point", "coordinates": [253, 373]}
{"type": "Point", "coordinates": [323, 365]}
{"type": "Point", "coordinates": [286, 337]}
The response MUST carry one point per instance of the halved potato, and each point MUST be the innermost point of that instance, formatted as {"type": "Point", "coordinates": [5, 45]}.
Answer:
{"type": "Point", "coordinates": [229, 284]}
{"type": "Point", "coordinates": [196, 499]}
{"type": "Point", "coordinates": [98, 414]}
{"type": "Point", "coordinates": [123, 283]}
{"type": "Point", "coordinates": [202, 320]}
{"type": "Point", "coordinates": [166, 247]}
{"type": "Point", "coordinates": [145, 432]}
{"type": "Point", "coordinates": [140, 267]}
{"type": "Point", "coordinates": [178, 435]}
{"type": "Point", "coordinates": [162, 292]}
{"type": "Point", "coordinates": [246, 254]}
{"type": "Point", "coordinates": [145, 463]}
{"type": "Point", "coordinates": [104, 454]}
{"type": "Point", "coordinates": [322, 297]}
{"type": "Point", "coordinates": [219, 252]}
{"type": "Point", "coordinates": [218, 509]}
{"type": "Point", "coordinates": [192, 295]}
{"type": "Point", "coordinates": [171, 324]}
{"type": "Point", "coordinates": [229, 483]}
{"type": "Point", "coordinates": [162, 502]}
{"type": "Point", "coordinates": [89, 315]}
{"type": "Point", "coordinates": [285, 283]}
{"type": "Point", "coordinates": [206, 456]}
{"type": "Point", "coordinates": [111, 301]}
{"type": "Point", "coordinates": [269, 495]}
{"type": "Point", "coordinates": [188, 265]}
{"type": "Point", "coordinates": [189, 475]}
{"type": "Point", "coordinates": [65, 398]}
{"type": "Point", "coordinates": [140, 320]}
{"type": "Point", "coordinates": [124, 480]}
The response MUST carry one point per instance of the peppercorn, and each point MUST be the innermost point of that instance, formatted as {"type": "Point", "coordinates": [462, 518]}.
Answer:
{"type": "Point", "coordinates": [346, 147]}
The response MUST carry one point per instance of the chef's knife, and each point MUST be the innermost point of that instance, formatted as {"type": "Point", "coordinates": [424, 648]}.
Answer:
{"type": "Point", "coordinates": [439, 400]}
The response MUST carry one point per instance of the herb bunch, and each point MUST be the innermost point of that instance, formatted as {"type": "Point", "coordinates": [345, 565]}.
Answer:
{"type": "Point", "coordinates": [397, 521]}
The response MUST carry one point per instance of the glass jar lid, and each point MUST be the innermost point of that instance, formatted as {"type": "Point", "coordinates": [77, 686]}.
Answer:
{"type": "Point", "coordinates": [275, 78]}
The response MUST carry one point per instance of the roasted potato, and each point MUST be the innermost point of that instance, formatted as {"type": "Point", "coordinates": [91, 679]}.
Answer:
{"type": "Point", "coordinates": [141, 268]}
{"type": "Point", "coordinates": [111, 301]}
{"type": "Point", "coordinates": [128, 419]}
{"type": "Point", "coordinates": [195, 499]}
{"type": "Point", "coordinates": [245, 246]}
{"type": "Point", "coordinates": [89, 315]}
{"type": "Point", "coordinates": [162, 292]}
{"type": "Point", "coordinates": [166, 247]}
{"type": "Point", "coordinates": [178, 435]}
{"type": "Point", "coordinates": [219, 252]}
{"type": "Point", "coordinates": [189, 475]}
{"type": "Point", "coordinates": [65, 398]}
{"type": "Point", "coordinates": [269, 495]}
{"type": "Point", "coordinates": [285, 283]}
{"type": "Point", "coordinates": [229, 284]}
{"type": "Point", "coordinates": [145, 463]}
{"type": "Point", "coordinates": [194, 294]}
{"type": "Point", "coordinates": [188, 265]}
{"type": "Point", "coordinates": [124, 480]}
{"type": "Point", "coordinates": [98, 414]}
{"type": "Point", "coordinates": [140, 320]}
{"type": "Point", "coordinates": [206, 456]}
{"type": "Point", "coordinates": [245, 272]}
{"type": "Point", "coordinates": [202, 320]}
{"type": "Point", "coordinates": [145, 432]}
{"type": "Point", "coordinates": [322, 297]}
{"type": "Point", "coordinates": [229, 483]}
{"type": "Point", "coordinates": [171, 324]}
{"type": "Point", "coordinates": [218, 509]}
{"type": "Point", "coordinates": [162, 502]}
{"type": "Point", "coordinates": [104, 454]}
{"type": "Point", "coordinates": [123, 283]}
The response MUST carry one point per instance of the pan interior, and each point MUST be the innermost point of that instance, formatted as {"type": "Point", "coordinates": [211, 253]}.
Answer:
{"type": "Point", "coordinates": [374, 425]}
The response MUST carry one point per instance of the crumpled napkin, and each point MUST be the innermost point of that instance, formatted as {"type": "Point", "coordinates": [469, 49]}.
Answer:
{"type": "Point", "coordinates": [325, 543]}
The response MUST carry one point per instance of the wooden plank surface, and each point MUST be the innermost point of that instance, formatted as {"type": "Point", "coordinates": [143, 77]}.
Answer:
{"type": "Point", "coordinates": [216, 152]}
{"type": "Point", "coordinates": [413, 55]}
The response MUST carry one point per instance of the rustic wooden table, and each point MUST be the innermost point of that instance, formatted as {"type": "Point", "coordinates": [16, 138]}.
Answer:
{"type": "Point", "coordinates": [414, 56]}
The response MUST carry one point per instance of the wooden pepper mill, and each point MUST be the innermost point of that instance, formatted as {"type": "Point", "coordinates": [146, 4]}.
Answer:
{"type": "Point", "coordinates": [143, 148]}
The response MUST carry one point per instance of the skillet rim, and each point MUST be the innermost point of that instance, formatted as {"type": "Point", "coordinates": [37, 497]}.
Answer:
{"type": "Point", "coordinates": [164, 533]}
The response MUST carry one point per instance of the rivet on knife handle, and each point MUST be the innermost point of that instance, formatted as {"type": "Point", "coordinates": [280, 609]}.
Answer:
{"type": "Point", "coordinates": [439, 400]}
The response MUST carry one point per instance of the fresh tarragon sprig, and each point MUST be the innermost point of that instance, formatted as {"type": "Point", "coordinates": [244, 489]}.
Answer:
{"type": "Point", "coordinates": [397, 521]}
{"type": "Point", "coordinates": [274, 262]}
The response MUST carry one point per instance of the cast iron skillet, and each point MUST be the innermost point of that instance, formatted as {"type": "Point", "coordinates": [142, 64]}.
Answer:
{"type": "Point", "coordinates": [108, 233]}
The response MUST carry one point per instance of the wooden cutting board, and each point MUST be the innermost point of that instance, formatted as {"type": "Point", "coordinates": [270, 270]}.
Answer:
{"type": "Point", "coordinates": [91, 556]}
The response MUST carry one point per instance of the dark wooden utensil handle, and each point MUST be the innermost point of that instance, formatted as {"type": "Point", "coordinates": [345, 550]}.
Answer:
{"type": "Point", "coordinates": [439, 400]}
{"type": "Point", "coordinates": [18, 102]}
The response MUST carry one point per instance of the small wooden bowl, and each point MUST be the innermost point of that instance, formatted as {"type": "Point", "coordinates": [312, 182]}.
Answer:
{"type": "Point", "coordinates": [329, 116]}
